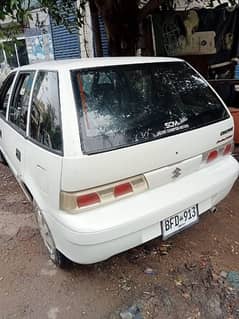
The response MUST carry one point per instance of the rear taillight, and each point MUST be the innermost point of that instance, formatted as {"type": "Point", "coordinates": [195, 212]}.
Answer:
{"type": "Point", "coordinates": [218, 152]}
{"type": "Point", "coordinates": [123, 189]}
{"type": "Point", "coordinates": [75, 202]}
{"type": "Point", "coordinates": [212, 156]}
{"type": "Point", "coordinates": [88, 199]}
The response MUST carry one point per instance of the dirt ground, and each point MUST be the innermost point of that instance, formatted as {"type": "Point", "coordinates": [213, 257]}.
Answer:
{"type": "Point", "coordinates": [179, 278]}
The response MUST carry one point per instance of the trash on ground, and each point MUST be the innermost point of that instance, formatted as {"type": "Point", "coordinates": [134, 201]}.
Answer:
{"type": "Point", "coordinates": [233, 278]}
{"type": "Point", "coordinates": [132, 312]}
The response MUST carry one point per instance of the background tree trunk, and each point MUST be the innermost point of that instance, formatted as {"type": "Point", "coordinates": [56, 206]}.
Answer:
{"type": "Point", "coordinates": [95, 26]}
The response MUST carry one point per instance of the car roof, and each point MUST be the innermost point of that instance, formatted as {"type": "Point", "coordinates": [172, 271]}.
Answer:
{"type": "Point", "coordinates": [71, 64]}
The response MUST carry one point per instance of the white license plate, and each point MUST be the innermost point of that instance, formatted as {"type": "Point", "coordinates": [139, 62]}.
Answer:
{"type": "Point", "coordinates": [179, 221]}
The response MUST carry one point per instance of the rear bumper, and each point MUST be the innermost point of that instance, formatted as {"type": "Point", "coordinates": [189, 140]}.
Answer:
{"type": "Point", "coordinates": [98, 234]}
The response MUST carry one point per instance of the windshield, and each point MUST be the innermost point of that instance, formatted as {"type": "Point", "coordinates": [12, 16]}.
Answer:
{"type": "Point", "coordinates": [119, 106]}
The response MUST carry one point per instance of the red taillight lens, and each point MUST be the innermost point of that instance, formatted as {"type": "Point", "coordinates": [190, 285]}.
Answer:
{"type": "Point", "coordinates": [75, 202]}
{"type": "Point", "coordinates": [212, 156]}
{"type": "Point", "coordinates": [88, 199]}
{"type": "Point", "coordinates": [228, 149]}
{"type": "Point", "coordinates": [123, 189]}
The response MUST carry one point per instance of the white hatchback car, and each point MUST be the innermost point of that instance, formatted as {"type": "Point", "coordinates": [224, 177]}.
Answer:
{"type": "Point", "coordinates": [114, 152]}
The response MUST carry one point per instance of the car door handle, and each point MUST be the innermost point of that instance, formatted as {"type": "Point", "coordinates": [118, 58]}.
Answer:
{"type": "Point", "coordinates": [18, 155]}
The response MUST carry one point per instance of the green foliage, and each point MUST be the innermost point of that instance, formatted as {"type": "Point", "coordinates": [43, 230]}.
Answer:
{"type": "Point", "coordinates": [19, 11]}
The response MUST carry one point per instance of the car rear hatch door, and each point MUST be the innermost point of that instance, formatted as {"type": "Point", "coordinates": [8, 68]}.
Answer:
{"type": "Point", "coordinates": [156, 119]}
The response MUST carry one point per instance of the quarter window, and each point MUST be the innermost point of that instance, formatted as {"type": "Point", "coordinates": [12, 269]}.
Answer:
{"type": "Point", "coordinates": [45, 121]}
{"type": "Point", "coordinates": [4, 94]}
{"type": "Point", "coordinates": [20, 100]}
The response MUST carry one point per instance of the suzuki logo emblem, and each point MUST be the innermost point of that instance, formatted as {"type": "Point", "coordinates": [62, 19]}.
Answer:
{"type": "Point", "coordinates": [177, 172]}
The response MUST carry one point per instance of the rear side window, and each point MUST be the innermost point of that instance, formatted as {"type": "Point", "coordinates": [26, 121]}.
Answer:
{"type": "Point", "coordinates": [20, 100]}
{"type": "Point", "coordinates": [119, 106]}
{"type": "Point", "coordinates": [4, 94]}
{"type": "Point", "coordinates": [45, 120]}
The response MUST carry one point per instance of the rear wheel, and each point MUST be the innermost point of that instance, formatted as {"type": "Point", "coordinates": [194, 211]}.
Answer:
{"type": "Point", "coordinates": [55, 255]}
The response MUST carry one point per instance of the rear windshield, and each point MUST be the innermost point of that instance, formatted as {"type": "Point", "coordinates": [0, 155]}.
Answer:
{"type": "Point", "coordinates": [119, 106]}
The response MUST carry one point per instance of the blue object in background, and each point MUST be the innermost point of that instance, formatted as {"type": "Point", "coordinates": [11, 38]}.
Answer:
{"type": "Point", "coordinates": [237, 72]}
{"type": "Point", "coordinates": [233, 278]}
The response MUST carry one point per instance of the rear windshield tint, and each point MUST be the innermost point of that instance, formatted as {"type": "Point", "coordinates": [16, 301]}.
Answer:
{"type": "Point", "coordinates": [119, 106]}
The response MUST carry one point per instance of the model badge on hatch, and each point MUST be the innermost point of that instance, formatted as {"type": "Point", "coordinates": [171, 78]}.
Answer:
{"type": "Point", "coordinates": [177, 172]}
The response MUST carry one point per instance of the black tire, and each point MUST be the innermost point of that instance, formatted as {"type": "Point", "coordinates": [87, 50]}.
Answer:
{"type": "Point", "coordinates": [2, 159]}
{"type": "Point", "coordinates": [61, 260]}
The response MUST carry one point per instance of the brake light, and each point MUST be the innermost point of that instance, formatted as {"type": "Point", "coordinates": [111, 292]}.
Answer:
{"type": "Point", "coordinates": [228, 149]}
{"type": "Point", "coordinates": [75, 202]}
{"type": "Point", "coordinates": [212, 156]}
{"type": "Point", "coordinates": [220, 151]}
{"type": "Point", "coordinates": [87, 200]}
{"type": "Point", "coordinates": [123, 189]}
